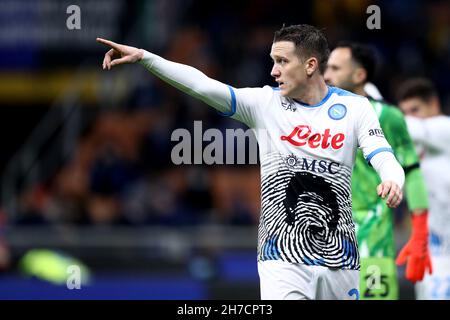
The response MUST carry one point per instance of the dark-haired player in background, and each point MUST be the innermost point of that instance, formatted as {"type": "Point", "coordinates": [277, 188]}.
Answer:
{"type": "Point", "coordinates": [351, 66]}
{"type": "Point", "coordinates": [430, 130]}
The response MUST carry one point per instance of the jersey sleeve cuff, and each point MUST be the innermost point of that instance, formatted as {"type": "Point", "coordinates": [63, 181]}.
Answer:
{"type": "Point", "coordinates": [233, 104]}
{"type": "Point", "coordinates": [377, 151]}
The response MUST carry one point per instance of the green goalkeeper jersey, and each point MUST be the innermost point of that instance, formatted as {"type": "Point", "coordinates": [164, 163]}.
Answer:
{"type": "Point", "coordinates": [373, 219]}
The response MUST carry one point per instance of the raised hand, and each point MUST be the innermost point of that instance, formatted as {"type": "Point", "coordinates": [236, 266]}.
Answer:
{"type": "Point", "coordinates": [119, 54]}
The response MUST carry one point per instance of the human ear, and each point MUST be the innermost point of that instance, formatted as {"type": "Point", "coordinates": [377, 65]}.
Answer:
{"type": "Point", "coordinates": [311, 66]}
{"type": "Point", "coordinates": [359, 75]}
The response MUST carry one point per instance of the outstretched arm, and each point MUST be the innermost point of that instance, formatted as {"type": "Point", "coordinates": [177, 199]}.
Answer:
{"type": "Point", "coordinates": [183, 77]}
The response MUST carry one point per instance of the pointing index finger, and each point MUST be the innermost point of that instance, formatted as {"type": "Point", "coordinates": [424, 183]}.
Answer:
{"type": "Point", "coordinates": [108, 43]}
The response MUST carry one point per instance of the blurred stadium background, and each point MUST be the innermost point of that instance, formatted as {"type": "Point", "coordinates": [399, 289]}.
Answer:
{"type": "Point", "coordinates": [86, 173]}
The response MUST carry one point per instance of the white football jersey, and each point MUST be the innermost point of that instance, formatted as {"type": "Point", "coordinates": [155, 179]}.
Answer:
{"type": "Point", "coordinates": [432, 139]}
{"type": "Point", "coordinates": [307, 155]}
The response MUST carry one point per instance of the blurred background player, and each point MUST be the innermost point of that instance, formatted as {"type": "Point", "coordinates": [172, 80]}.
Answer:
{"type": "Point", "coordinates": [351, 66]}
{"type": "Point", "coordinates": [430, 130]}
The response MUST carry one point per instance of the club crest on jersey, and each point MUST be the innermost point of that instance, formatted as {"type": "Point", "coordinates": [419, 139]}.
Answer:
{"type": "Point", "coordinates": [287, 105]}
{"type": "Point", "coordinates": [337, 111]}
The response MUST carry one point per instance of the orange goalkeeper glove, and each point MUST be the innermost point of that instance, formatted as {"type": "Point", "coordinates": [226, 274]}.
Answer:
{"type": "Point", "coordinates": [416, 252]}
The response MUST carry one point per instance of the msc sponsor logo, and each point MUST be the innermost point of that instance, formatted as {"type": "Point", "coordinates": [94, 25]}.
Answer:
{"type": "Point", "coordinates": [302, 135]}
{"type": "Point", "coordinates": [376, 132]}
{"type": "Point", "coordinates": [312, 165]}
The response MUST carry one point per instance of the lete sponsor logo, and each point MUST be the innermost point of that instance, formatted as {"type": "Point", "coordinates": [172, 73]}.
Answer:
{"type": "Point", "coordinates": [302, 135]}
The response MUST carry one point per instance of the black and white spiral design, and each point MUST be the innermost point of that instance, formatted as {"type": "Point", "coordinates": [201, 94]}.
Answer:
{"type": "Point", "coordinates": [306, 216]}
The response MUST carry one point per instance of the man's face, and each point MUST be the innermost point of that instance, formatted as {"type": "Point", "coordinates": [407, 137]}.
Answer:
{"type": "Point", "coordinates": [340, 69]}
{"type": "Point", "coordinates": [417, 107]}
{"type": "Point", "coordinates": [287, 69]}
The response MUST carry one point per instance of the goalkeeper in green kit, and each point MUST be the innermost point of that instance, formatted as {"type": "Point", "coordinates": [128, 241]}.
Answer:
{"type": "Point", "coordinates": [350, 66]}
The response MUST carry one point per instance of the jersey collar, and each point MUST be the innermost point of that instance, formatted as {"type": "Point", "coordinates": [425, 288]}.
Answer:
{"type": "Point", "coordinates": [325, 99]}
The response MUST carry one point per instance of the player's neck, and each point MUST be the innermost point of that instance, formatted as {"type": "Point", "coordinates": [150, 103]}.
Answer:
{"type": "Point", "coordinates": [313, 93]}
{"type": "Point", "coordinates": [360, 91]}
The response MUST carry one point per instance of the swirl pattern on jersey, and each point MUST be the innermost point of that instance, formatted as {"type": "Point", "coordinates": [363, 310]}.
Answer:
{"type": "Point", "coordinates": [306, 213]}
